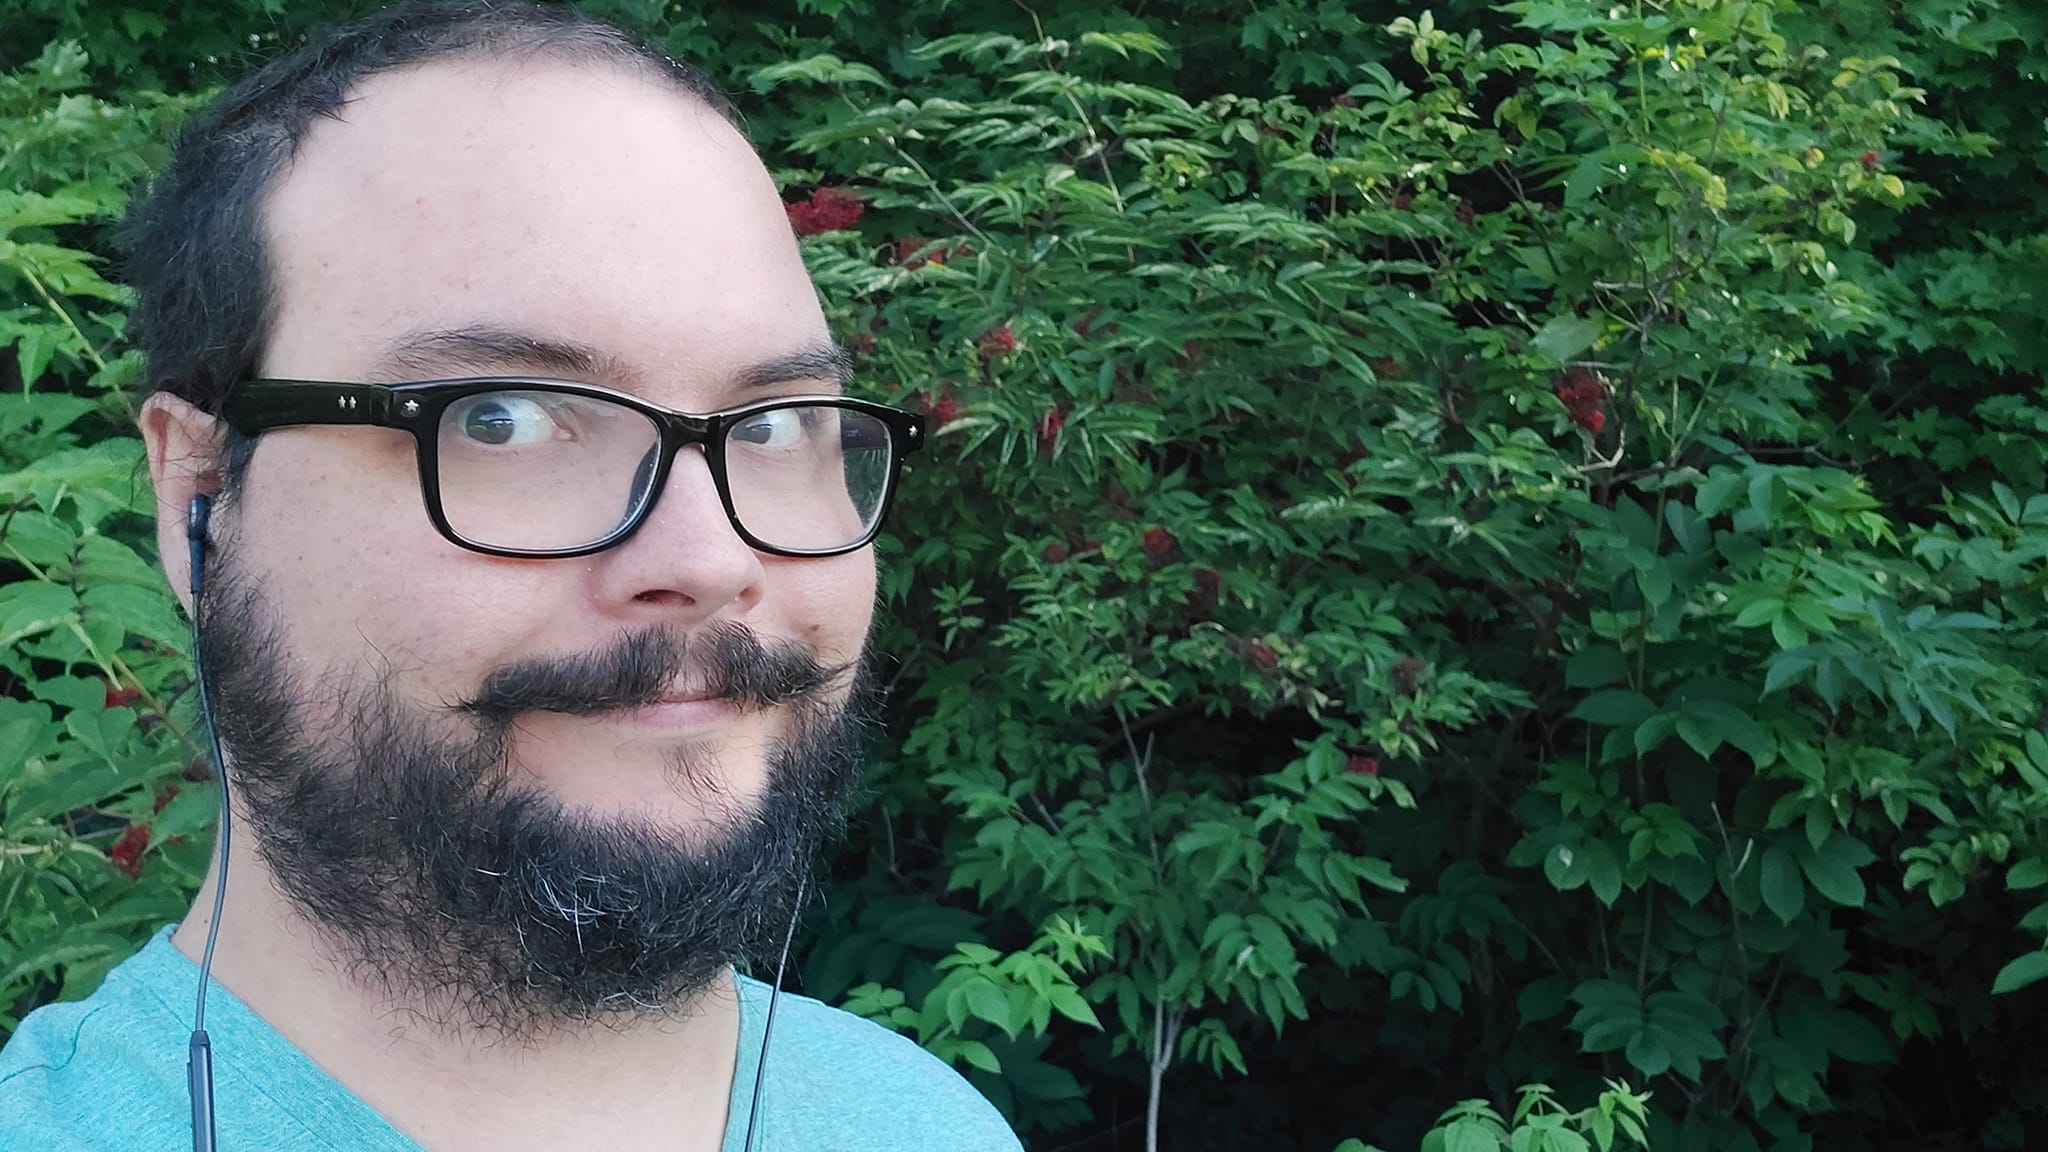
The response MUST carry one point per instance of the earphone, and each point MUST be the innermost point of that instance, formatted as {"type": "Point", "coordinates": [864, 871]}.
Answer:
{"type": "Point", "coordinates": [199, 1053]}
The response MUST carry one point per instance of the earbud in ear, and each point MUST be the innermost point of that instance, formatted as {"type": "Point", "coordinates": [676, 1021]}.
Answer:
{"type": "Point", "coordinates": [197, 516]}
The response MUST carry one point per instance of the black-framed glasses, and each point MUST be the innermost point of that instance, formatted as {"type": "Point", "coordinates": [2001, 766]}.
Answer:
{"type": "Point", "coordinates": [519, 466]}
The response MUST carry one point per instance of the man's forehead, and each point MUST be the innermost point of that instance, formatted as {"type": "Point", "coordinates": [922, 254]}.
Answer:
{"type": "Point", "coordinates": [481, 114]}
{"type": "Point", "coordinates": [590, 200]}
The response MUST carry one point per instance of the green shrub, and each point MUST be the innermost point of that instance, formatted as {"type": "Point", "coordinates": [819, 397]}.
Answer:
{"type": "Point", "coordinates": [1457, 550]}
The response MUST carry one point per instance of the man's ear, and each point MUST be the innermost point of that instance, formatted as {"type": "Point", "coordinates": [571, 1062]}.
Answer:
{"type": "Point", "coordinates": [184, 447]}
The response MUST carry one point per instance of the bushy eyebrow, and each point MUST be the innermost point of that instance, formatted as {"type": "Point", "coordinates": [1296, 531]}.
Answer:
{"type": "Point", "coordinates": [821, 361]}
{"type": "Point", "coordinates": [487, 347]}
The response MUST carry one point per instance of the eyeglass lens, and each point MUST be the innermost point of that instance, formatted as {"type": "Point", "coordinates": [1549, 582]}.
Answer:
{"type": "Point", "coordinates": [541, 471]}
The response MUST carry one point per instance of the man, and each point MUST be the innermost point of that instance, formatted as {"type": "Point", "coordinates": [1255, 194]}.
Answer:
{"type": "Point", "coordinates": [536, 697]}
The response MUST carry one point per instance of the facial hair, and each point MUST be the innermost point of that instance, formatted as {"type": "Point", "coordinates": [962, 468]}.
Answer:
{"type": "Point", "coordinates": [480, 902]}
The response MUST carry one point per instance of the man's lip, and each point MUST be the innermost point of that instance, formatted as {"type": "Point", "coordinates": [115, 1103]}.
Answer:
{"type": "Point", "coordinates": [692, 695]}
{"type": "Point", "coordinates": [693, 711]}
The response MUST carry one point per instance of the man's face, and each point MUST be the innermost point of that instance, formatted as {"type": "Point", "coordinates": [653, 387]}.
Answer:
{"type": "Point", "coordinates": [569, 207]}
{"type": "Point", "coordinates": [484, 218]}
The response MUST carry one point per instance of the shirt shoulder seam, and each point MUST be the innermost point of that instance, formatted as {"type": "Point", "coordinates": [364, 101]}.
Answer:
{"type": "Point", "coordinates": [70, 1055]}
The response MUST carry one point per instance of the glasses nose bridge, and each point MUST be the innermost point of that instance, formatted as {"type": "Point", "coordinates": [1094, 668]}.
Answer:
{"type": "Point", "coordinates": [679, 430]}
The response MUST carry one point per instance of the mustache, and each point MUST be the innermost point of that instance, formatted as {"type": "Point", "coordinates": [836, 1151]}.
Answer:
{"type": "Point", "coordinates": [726, 660]}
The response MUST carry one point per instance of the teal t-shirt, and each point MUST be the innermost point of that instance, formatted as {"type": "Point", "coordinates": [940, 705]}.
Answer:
{"type": "Point", "coordinates": [108, 1073]}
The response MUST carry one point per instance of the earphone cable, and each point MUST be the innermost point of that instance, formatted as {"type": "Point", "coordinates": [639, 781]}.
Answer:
{"type": "Point", "coordinates": [199, 1054]}
{"type": "Point", "coordinates": [768, 1025]}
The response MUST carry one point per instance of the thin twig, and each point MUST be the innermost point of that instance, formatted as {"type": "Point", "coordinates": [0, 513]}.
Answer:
{"type": "Point", "coordinates": [92, 352]}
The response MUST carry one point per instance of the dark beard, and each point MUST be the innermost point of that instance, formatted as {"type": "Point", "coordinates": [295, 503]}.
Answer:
{"type": "Point", "coordinates": [481, 903]}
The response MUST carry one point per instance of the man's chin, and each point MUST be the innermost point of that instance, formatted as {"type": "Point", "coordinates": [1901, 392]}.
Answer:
{"type": "Point", "coordinates": [525, 869]}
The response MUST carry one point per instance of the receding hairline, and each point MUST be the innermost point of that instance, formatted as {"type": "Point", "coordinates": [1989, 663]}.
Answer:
{"type": "Point", "coordinates": [482, 65]}
{"type": "Point", "coordinates": [595, 61]}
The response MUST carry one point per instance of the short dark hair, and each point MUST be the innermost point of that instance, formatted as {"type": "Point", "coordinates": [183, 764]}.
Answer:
{"type": "Point", "coordinates": [195, 246]}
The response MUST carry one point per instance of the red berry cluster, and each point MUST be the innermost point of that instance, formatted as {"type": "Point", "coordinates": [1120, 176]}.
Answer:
{"type": "Point", "coordinates": [126, 853]}
{"type": "Point", "coordinates": [1870, 160]}
{"type": "Point", "coordinates": [939, 409]}
{"type": "Point", "coordinates": [828, 210]}
{"type": "Point", "coordinates": [997, 341]}
{"type": "Point", "coordinates": [1363, 765]}
{"type": "Point", "coordinates": [1583, 394]}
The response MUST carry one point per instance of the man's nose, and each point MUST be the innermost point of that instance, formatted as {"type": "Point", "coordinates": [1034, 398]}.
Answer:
{"type": "Point", "coordinates": [686, 552]}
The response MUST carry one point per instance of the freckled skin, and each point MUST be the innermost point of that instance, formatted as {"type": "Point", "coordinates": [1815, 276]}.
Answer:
{"type": "Point", "coordinates": [595, 207]}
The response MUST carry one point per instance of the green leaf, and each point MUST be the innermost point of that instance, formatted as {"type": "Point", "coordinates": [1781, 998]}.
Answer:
{"type": "Point", "coordinates": [978, 1054]}
{"type": "Point", "coordinates": [1832, 870]}
{"type": "Point", "coordinates": [2020, 973]}
{"type": "Point", "coordinates": [1615, 708]}
{"type": "Point", "coordinates": [1564, 337]}
{"type": "Point", "coordinates": [2029, 873]}
{"type": "Point", "coordinates": [1688, 528]}
{"type": "Point", "coordinates": [1647, 1052]}
{"type": "Point", "coordinates": [1595, 666]}
{"type": "Point", "coordinates": [1783, 891]}
{"type": "Point", "coordinates": [1602, 871]}
{"type": "Point", "coordinates": [987, 1002]}
{"type": "Point", "coordinates": [1470, 1136]}
{"type": "Point", "coordinates": [1717, 492]}
{"type": "Point", "coordinates": [1758, 612]}
{"type": "Point", "coordinates": [1785, 670]}
{"type": "Point", "coordinates": [1067, 1002]}
{"type": "Point", "coordinates": [1788, 632]}
{"type": "Point", "coordinates": [31, 607]}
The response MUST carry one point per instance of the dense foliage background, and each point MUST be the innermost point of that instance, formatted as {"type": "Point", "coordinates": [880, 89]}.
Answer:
{"type": "Point", "coordinates": [1470, 548]}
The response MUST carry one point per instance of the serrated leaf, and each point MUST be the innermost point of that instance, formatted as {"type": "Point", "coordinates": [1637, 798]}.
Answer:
{"type": "Point", "coordinates": [31, 607]}
{"type": "Point", "coordinates": [1067, 1002]}
{"type": "Point", "coordinates": [987, 1002]}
